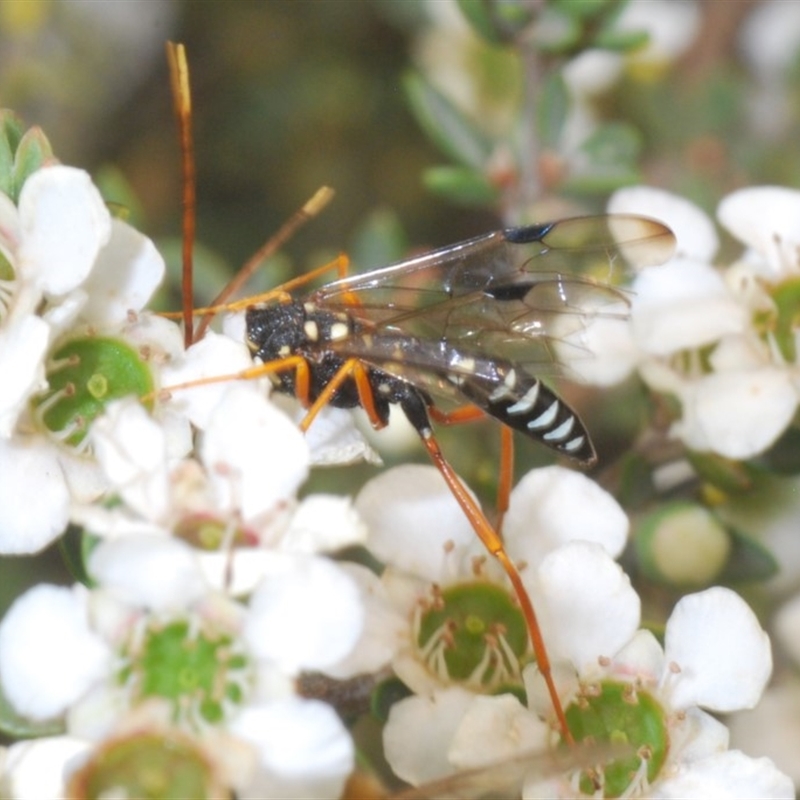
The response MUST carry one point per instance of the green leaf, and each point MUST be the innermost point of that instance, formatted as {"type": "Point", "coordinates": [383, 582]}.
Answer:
{"type": "Point", "coordinates": [33, 152]}
{"type": "Point", "coordinates": [497, 21]}
{"type": "Point", "coordinates": [636, 487]}
{"type": "Point", "coordinates": [552, 109]}
{"type": "Point", "coordinates": [451, 130]}
{"type": "Point", "coordinates": [11, 128]}
{"type": "Point", "coordinates": [732, 477]}
{"type": "Point", "coordinates": [386, 694]}
{"type": "Point", "coordinates": [10, 134]}
{"type": "Point", "coordinates": [783, 458]}
{"type": "Point", "coordinates": [75, 546]}
{"type": "Point", "coordinates": [461, 185]}
{"type": "Point", "coordinates": [749, 560]}
{"type": "Point", "coordinates": [614, 144]}
{"type": "Point", "coordinates": [621, 41]}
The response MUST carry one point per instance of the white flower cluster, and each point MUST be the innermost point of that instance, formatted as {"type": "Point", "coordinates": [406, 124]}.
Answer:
{"type": "Point", "coordinates": [210, 593]}
{"type": "Point", "coordinates": [721, 340]}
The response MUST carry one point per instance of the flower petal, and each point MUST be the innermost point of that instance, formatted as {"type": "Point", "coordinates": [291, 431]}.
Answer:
{"type": "Point", "coordinates": [414, 522]}
{"type": "Point", "coordinates": [305, 614]}
{"type": "Point", "coordinates": [48, 654]}
{"type": "Point", "coordinates": [723, 655]}
{"type": "Point", "coordinates": [23, 345]}
{"type": "Point", "coordinates": [303, 748]}
{"type": "Point", "coordinates": [588, 607]}
{"type": "Point", "coordinates": [684, 304]}
{"type": "Point", "coordinates": [737, 414]}
{"type": "Point", "coordinates": [418, 733]}
{"type": "Point", "coordinates": [131, 448]}
{"type": "Point", "coordinates": [692, 227]}
{"type": "Point", "coordinates": [551, 506]}
{"type": "Point", "coordinates": [34, 501]}
{"type": "Point", "coordinates": [731, 775]}
{"type": "Point", "coordinates": [127, 272]}
{"type": "Point", "coordinates": [255, 457]}
{"type": "Point", "coordinates": [64, 223]}
{"type": "Point", "coordinates": [156, 572]}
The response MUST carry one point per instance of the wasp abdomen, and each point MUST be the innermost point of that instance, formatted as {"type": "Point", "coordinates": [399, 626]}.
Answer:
{"type": "Point", "coordinates": [524, 403]}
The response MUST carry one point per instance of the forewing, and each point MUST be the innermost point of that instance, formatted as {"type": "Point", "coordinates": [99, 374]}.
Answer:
{"type": "Point", "coordinates": [509, 294]}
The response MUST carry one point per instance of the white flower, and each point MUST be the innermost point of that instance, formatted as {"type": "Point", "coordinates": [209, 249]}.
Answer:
{"type": "Point", "coordinates": [233, 501]}
{"type": "Point", "coordinates": [715, 657]}
{"type": "Point", "coordinates": [77, 275]}
{"type": "Point", "coordinates": [37, 768]}
{"type": "Point", "coordinates": [701, 331]}
{"type": "Point", "coordinates": [418, 530]}
{"type": "Point", "coordinates": [154, 629]}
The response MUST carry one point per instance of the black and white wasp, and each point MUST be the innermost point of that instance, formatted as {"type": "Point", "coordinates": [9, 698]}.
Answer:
{"type": "Point", "coordinates": [479, 322]}
{"type": "Point", "coordinates": [474, 321]}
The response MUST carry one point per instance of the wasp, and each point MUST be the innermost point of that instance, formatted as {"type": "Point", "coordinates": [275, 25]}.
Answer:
{"type": "Point", "coordinates": [475, 322]}
{"type": "Point", "coordinates": [478, 322]}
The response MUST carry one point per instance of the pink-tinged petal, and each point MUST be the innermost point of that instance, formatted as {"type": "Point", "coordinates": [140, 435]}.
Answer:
{"type": "Point", "coordinates": [255, 457]}
{"type": "Point", "coordinates": [34, 501]}
{"type": "Point", "coordinates": [304, 750]}
{"type": "Point", "coordinates": [9, 228]}
{"type": "Point", "coordinates": [721, 656]}
{"type": "Point", "coordinates": [551, 506]}
{"type": "Point", "coordinates": [420, 728]}
{"type": "Point", "coordinates": [693, 230]}
{"type": "Point", "coordinates": [48, 654]}
{"type": "Point", "coordinates": [641, 658]}
{"type": "Point", "coordinates": [63, 225]}
{"type": "Point", "coordinates": [730, 775]}
{"type": "Point", "coordinates": [588, 608]}
{"type": "Point", "coordinates": [127, 272]}
{"type": "Point", "coordinates": [737, 414]}
{"type": "Point", "coordinates": [414, 522]}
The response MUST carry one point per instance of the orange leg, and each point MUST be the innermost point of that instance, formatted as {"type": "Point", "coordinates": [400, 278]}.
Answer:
{"type": "Point", "coordinates": [470, 414]}
{"type": "Point", "coordinates": [256, 371]}
{"type": "Point", "coordinates": [494, 545]}
{"type": "Point", "coordinates": [352, 368]}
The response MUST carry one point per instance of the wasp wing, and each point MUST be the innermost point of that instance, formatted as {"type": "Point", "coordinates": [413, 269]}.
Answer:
{"type": "Point", "coordinates": [509, 294]}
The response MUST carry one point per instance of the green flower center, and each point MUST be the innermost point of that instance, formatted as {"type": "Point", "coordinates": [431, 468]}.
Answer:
{"type": "Point", "coordinates": [198, 671]}
{"type": "Point", "coordinates": [210, 533]}
{"type": "Point", "coordinates": [84, 376]}
{"type": "Point", "coordinates": [147, 765]}
{"type": "Point", "coordinates": [619, 714]}
{"type": "Point", "coordinates": [474, 633]}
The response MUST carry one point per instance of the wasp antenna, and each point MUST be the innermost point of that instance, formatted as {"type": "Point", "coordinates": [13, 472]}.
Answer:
{"type": "Point", "coordinates": [307, 211]}
{"type": "Point", "coordinates": [182, 99]}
